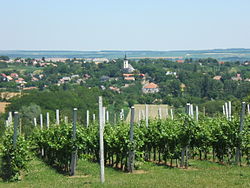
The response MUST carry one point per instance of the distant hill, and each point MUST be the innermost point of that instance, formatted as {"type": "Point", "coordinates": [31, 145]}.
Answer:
{"type": "Point", "coordinates": [221, 54]}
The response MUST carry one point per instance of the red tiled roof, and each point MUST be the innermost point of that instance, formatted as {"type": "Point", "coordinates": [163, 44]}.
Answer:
{"type": "Point", "coordinates": [127, 75]}
{"type": "Point", "coordinates": [151, 86]}
{"type": "Point", "coordinates": [217, 77]}
{"type": "Point", "coordinates": [129, 78]}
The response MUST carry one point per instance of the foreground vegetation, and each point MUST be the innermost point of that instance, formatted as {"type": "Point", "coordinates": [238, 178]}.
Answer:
{"type": "Point", "coordinates": [200, 174]}
{"type": "Point", "coordinates": [163, 141]}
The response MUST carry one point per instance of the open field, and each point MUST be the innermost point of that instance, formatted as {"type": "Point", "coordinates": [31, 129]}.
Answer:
{"type": "Point", "coordinates": [200, 174]}
{"type": "Point", "coordinates": [21, 68]}
{"type": "Point", "coordinates": [3, 105]}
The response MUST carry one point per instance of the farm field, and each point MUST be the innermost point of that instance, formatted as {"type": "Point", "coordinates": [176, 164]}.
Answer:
{"type": "Point", "coordinates": [21, 68]}
{"type": "Point", "coordinates": [199, 174]}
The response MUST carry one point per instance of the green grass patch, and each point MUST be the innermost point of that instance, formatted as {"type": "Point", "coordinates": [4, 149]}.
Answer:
{"type": "Point", "coordinates": [199, 174]}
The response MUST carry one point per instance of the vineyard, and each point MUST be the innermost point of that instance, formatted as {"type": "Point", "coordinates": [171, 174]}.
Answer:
{"type": "Point", "coordinates": [169, 142]}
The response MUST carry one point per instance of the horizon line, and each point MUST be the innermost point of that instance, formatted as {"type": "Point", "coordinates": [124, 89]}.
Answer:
{"type": "Point", "coordinates": [119, 50]}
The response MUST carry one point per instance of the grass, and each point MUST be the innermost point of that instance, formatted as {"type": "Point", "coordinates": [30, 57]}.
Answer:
{"type": "Point", "coordinates": [200, 174]}
{"type": "Point", "coordinates": [21, 68]}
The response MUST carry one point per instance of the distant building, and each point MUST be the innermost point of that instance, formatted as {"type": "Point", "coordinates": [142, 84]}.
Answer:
{"type": "Point", "coordinates": [126, 66]}
{"type": "Point", "coordinates": [129, 78]}
{"type": "Point", "coordinates": [150, 88]}
{"type": "Point", "coordinates": [171, 73]}
{"type": "Point", "coordinates": [217, 77]}
{"type": "Point", "coordinates": [180, 61]}
{"type": "Point", "coordinates": [237, 78]}
{"type": "Point", "coordinates": [14, 75]}
{"type": "Point", "coordinates": [104, 78]}
{"type": "Point", "coordinates": [125, 62]}
{"type": "Point", "coordinates": [116, 89]}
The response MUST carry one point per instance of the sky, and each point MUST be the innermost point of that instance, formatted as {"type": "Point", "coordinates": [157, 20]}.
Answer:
{"type": "Point", "coordinates": [124, 24]}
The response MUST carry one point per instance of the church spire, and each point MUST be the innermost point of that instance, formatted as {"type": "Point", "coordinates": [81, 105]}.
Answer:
{"type": "Point", "coordinates": [125, 58]}
{"type": "Point", "coordinates": [125, 62]}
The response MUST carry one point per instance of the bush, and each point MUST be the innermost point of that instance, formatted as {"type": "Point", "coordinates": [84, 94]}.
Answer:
{"type": "Point", "coordinates": [14, 160]}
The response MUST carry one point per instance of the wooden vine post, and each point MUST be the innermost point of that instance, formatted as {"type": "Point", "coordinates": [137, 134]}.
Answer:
{"type": "Point", "coordinates": [74, 152]}
{"type": "Point", "coordinates": [101, 129]}
{"type": "Point", "coordinates": [131, 157]}
{"type": "Point", "coordinates": [238, 150]}
{"type": "Point", "coordinates": [15, 129]}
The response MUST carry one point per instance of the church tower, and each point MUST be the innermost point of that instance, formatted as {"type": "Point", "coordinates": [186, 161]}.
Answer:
{"type": "Point", "coordinates": [125, 62]}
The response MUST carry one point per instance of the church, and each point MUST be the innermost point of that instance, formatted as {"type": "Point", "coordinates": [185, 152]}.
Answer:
{"type": "Point", "coordinates": [126, 66]}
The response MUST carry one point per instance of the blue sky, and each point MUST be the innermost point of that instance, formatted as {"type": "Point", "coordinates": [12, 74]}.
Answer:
{"type": "Point", "coordinates": [124, 24]}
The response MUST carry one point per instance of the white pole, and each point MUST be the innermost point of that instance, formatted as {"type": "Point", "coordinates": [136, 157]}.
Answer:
{"type": "Point", "coordinates": [41, 121]}
{"type": "Point", "coordinates": [139, 116]}
{"type": "Point", "coordinates": [143, 114]}
{"type": "Point", "coordinates": [87, 119]}
{"type": "Point", "coordinates": [223, 108]}
{"type": "Point", "coordinates": [146, 115]}
{"type": "Point", "coordinates": [107, 116]}
{"type": "Point", "coordinates": [94, 118]}
{"type": "Point", "coordinates": [226, 110]}
{"type": "Point", "coordinates": [159, 111]}
{"type": "Point", "coordinates": [171, 113]}
{"type": "Point", "coordinates": [57, 117]}
{"type": "Point", "coordinates": [35, 122]}
{"type": "Point", "coordinates": [192, 110]}
{"type": "Point", "coordinates": [229, 110]}
{"type": "Point", "coordinates": [101, 128]}
{"type": "Point", "coordinates": [197, 113]}
{"type": "Point", "coordinates": [104, 117]}
{"type": "Point", "coordinates": [47, 115]}
{"type": "Point", "coordinates": [121, 114]}
{"type": "Point", "coordinates": [248, 109]}
{"type": "Point", "coordinates": [10, 118]}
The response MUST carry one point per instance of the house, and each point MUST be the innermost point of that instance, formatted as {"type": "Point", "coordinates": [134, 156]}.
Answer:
{"type": "Point", "coordinates": [129, 78]}
{"type": "Point", "coordinates": [14, 75]}
{"type": "Point", "coordinates": [104, 78]}
{"type": "Point", "coordinates": [217, 77]}
{"type": "Point", "coordinates": [247, 63]}
{"type": "Point", "coordinates": [171, 73]}
{"type": "Point", "coordinates": [116, 89]}
{"type": "Point", "coordinates": [9, 78]}
{"type": "Point", "coordinates": [150, 88]}
{"type": "Point", "coordinates": [3, 77]}
{"type": "Point", "coordinates": [64, 80]}
{"type": "Point", "coordinates": [237, 78]}
{"type": "Point", "coordinates": [34, 79]}
{"type": "Point", "coordinates": [102, 87]}
{"type": "Point", "coordinates": [20, 81]}
{"type": "Point", "coordinates": [75, 76]}
{"type": "Point", "coordinates": [180, 61]}
{"type": "Point", "coordinates": [86, 76]}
